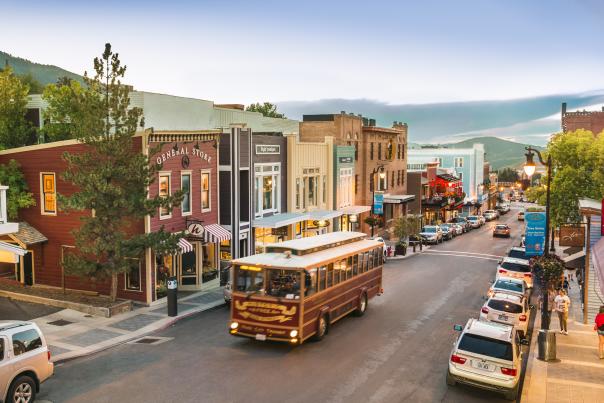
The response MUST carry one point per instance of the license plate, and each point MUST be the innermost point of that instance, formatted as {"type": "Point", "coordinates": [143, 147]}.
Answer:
{"type": "Point", "coordinates": [261, 337]}
{"type": "Point", "coordinates": [504, 317]}
{"type": "Point", "coordinates": [483, 365]}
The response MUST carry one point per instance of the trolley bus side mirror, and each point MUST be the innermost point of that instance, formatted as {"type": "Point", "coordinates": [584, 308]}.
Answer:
{"type": "Point", "coordinates": [458, 328]}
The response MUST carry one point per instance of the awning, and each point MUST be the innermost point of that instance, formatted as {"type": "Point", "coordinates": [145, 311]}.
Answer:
{"type": "Point", "coordinates": [28, 235]}
{"type": "Point", "coordinates": [397, 199]}
{"type": "Point", "coordinates": [280, 220]}
{"type": "Point", "coordinates": [575, 261]}
{"type": "Point", "coordinates": [590, 207]}
{"type": "Point", "coordinates": [215, 233]}
{"type": "Point", "coordinates": [185, 246]}
{"type": "Point", "coordinates": [324, 214]}
{"type": "Point", "coordinates": [9, 253]}
{"type": "Point", "coordinates": [354, 210]}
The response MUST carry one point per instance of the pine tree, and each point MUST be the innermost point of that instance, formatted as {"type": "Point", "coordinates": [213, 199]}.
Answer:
{"type": "Point", "coordinates": [112, 178]}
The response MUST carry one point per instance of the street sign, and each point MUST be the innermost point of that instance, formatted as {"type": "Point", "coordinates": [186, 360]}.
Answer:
{"type": "Point", "coordinates": [534, 240]}
{"type": "Point", "coordinates": [378, 203]}
{"type": "Point", "coordinates": [572, 235]}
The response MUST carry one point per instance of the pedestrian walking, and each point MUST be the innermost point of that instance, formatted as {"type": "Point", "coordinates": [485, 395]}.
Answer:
{"type": "Point", "coordinates": [562, 303]}
{"type": "Point", "coordinates": [565, 284]}
{"type": "Point", "coordinates": [599, 327]}
{"type": "Point", "coordinates": [569, 274]}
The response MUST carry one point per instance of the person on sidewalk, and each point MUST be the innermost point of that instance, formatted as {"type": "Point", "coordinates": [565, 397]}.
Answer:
{"type": "Point", "coordinates": [599, 327]}
{"type": "Point", "coordinates": [562, 303]}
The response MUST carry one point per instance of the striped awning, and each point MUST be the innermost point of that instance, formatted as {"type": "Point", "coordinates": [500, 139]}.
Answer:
{"type": "Point", "coordinates": [185, 246]}
{"type": "Point", "coordinates": [215, 233]}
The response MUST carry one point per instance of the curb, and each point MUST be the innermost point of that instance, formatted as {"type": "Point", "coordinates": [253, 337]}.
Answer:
{"type": "Point", "coordinates": [168, 321]}
{"type": "Point", "coordinates": [398, 257]}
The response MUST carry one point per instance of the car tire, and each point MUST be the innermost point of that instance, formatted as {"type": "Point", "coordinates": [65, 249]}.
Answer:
{"type": "Point", "coordinates": [23, 386]}
{"type": "Point", "coordinates": [450, 380]}
{"type": "Point", "coordinates": [362, 308]}
{"type": "Point", "coordinates": [322, 328]}
{"type": "Point", "coordinates": [512, 394]}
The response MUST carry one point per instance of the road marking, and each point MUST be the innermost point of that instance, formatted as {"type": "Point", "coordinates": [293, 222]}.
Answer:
{"type": "Point", "coordinates": [466, 256]}
{"type": "Point", "coordinates": [468, 253]}
{"type": "Point", "coordinates": [560, 381]}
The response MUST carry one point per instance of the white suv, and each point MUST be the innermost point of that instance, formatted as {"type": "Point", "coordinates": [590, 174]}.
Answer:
{"type": "Point", "coordinates": [509, 309]}
{"type": "Point", "coordinates": [515, 268]}
{"type": "Point", "coordinates": [487, 355]}
{"type": "Point", "coordinates": [24, 361]}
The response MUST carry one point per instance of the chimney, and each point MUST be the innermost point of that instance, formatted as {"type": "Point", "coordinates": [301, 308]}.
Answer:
{"type": "Point", "coordinates": [371, 122]}
{"type": "Point", "coordinates": [563, 108]}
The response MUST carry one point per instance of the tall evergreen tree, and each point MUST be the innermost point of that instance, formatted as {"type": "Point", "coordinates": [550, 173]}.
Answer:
{"type": "Point", "coordinates": [112, 178]}
{"type": "Point", "coordinates": [15, 129]}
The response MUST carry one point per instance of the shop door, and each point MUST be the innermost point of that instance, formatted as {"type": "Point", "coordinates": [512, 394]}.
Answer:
{"type": "Point", "coordinates": [189, 274]}
{"type": "Point", "coordinates": [28, 268]}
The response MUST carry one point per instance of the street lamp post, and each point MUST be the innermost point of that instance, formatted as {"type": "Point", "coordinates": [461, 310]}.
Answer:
{"type": "Point", "coordinates": [380, 169]}
{"type": "Point", "coordinates": [529, 169]}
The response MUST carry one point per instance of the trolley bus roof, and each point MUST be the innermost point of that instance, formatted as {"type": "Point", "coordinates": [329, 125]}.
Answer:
{"type": "Point", "coordinates": [318, 241]}
{"type": "Point", "coordinates": [287, 261]}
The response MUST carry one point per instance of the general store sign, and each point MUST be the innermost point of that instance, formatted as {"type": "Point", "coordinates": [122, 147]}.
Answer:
{"type": "Point", "coordinates": [182, 151]}
{"type": "Point", "coordinates": [572, 235]}
{"type": "Point", "coordinates": [268, 149]}
{"type": "Point", "coordinates": [535, 233]}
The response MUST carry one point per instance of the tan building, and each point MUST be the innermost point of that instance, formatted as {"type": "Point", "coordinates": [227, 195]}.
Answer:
{"type": "Point", "coordinates": [380, 158]}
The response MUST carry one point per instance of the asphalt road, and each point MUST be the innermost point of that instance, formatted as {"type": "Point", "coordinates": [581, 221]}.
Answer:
{"type": "Point", "coordinates": [397, 352]}
{"type": "Point", "coordinates": [19, 310]}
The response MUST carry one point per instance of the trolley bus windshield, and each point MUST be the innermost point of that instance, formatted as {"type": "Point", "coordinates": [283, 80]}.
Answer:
{"type": "Point", "coordinates": [271, 282]}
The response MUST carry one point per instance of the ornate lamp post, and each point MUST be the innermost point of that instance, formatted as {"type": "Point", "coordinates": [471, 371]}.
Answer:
{"type": "Point", "coordinates": [382, 175]}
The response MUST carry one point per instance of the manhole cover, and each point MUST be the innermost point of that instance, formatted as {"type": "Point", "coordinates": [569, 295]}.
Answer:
{"type": "Point", "coordinates": [151, 340]}
{"type": "Point", "coordinates": [60, 322]}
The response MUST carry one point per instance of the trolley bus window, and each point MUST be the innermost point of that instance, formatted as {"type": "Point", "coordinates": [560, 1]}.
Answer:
{"type": "Point", "coordinates": [355, 265]}
{"type": "Point", "coordinates": [338, 274]}
{"type": "Point", "coordinates": [376, 258]}
{"type": "Point", "coordinates": [349, 268]}
{"type": "Point", "coordinates": [322, 277]}
{"type": "Point", "coordinates": [310, 282]}
{"type": "Point", "coordinates": [249, 279]}
{"type": "Point", "coordinates": [329, 275]}
{"type": "Point", "coordinates": [369, 258]}
{"type": "Point", "coordinates": [283, 283]}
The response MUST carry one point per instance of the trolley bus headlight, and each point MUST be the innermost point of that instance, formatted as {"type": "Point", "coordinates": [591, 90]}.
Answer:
{"type": "Point", "coordinates": [293, 333]}
{"type": "Point", "coordinates": [234, 326]}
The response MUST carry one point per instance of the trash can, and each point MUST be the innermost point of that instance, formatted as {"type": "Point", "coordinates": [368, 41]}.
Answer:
{"type": "Point", "coordinates": [546, 342]}
{"type": "Point", "coordinates": [172, 296]}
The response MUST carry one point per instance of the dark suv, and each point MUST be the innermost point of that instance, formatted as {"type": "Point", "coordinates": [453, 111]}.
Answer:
{"type": "Point", "coordinates": [465, 224]}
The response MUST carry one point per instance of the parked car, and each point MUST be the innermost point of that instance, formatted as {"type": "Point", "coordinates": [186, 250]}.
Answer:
{"type": "Point", "coordinates": [385, 248]}
{"type": "Point", "coordinates": [482, 219]}
{"type": "Point", "coordinates": [463, 222]}
{"type": "Point", "coordinates": [518, 252]}
{"type": "Point", "coordinates": [448, 231]}
{"type": "Point", "coordinates": [491, 215]}
{"type": "Point", "coordinates": [516, 268]}
{"type": "Point", "coordinates": [510, 309]}
{"type": "Point", "coordinates": [487, 355]}
{"type": "Point", "coordinates": [509, 285]}
{"type": "Point", "coordinates": [502, 230]}
{"type": "Point", "coordinates": [474, 221]}
{"type": "Point", "coordinates": [24, 361]}
{"type": "Point", "coordinates": [431, 234]}
{"type": "Point", "coordinates": [521, 216]}
{"type": "Point", "coordinates": [458, 228]}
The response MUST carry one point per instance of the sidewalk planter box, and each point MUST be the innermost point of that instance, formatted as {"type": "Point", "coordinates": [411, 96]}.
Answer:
{"type": "Point", "coordinates": [400, 249]}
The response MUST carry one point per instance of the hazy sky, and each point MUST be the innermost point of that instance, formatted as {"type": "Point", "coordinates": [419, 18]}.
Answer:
{"type": "Point", "coordinates": [393, 51]}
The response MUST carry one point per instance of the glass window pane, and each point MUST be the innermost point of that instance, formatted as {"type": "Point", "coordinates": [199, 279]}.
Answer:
{"type": "Point", "coordinates": [267, 199]}
{"type": "Point", "coordinates": [186, 188]}
{"type": "Point", "coordinates": [310, 282]}
{"type": "Point", "coordinates": [26, 341]}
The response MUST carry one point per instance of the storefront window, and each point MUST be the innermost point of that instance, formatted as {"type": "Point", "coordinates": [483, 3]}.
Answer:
{"type": "Point", "coordinates": [188, 275]}
{"type": "Point", "coordinates": [165, 266]}
{"type": "Point", "coordinates": [205, 191]}
{"type": "Point", "coordinates": [297, 193]}
{"type": "Point", "coordinates": [345, 189]}
{"type": "Point", "coordinates": [164, 191]}
{"type": "Point", "coordinates": [312, 184]}
{"type": "Point", "coordinates": [267, 184]}
{"type": "Point", "coordinates": [267, 193]}
{"type": "Point", "coordinates": [133, 277]}
{"type": "Point", "coordinates": [209, 265]}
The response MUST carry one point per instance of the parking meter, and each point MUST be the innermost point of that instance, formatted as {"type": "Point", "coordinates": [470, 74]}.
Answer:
{"type": "Point", "coordinates": [172, 296]}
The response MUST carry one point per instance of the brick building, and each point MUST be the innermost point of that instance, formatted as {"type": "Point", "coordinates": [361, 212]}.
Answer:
{"type": "Point", "coordinates": [380, 159]}
{"type": "Point", "coordinates": [587, 120]}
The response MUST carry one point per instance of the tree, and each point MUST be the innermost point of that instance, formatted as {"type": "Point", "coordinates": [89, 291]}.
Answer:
{"type": "Point", "coordinates": [18, 195]}
{"type": "Point", "coordinates": [66, 114]}
{"type": "Point", "coordinates": [15, 129]}
{"type": "Point", "coordinates": [111, 178]}
{"type": "Point", "coordinates": [34, 86]}
{"type": "Point", "coordinates": [407, 226]}
{"type": "Point", "coordinates": [549, 271]}
{"type": "Point", "coordinates": [508, 175]}
{"type": "Point", "coordinates": [266, 109]}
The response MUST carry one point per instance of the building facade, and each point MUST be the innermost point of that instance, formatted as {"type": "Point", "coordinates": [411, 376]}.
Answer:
{"type": "Point", "coordinates": [586, 120]}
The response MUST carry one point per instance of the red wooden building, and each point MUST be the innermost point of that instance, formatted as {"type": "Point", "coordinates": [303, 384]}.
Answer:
{"type": "Point", "coordinates": [189, 162]}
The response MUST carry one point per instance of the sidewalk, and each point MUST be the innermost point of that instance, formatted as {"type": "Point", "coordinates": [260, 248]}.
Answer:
{"type": "Point", "coordinates": [578, 376]}
{"type": "Point", "coordinates": [409, 251]}
{"type": "Point", "coordinates": [72, 334]}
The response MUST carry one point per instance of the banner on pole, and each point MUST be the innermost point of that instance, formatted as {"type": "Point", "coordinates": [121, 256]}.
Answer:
{"type": "Point", "coordinates": [378, 203]}
{"type": "Point", "coordinates": [534, 240]}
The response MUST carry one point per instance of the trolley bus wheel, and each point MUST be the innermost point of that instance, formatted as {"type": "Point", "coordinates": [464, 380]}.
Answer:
{"type": "Point", "coordinates": [322, 327]}
{"type": "Point", "coordinates": [360, 311]}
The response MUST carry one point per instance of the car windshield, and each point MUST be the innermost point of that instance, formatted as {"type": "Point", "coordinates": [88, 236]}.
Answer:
{"type": "Point", "coordinates": [504, 306]}
{"type": "Point", "coordinates": [516, 267]}
{"type": "Point", "coordinates": [474, 343]}
{"type": "Point", "coordinates": [445, 226]}
{"type": "Point", "coordinates": [509, 286]}
{"type": "Point", "coordinates": [517, 254]}
{"type": "Point", "coordinates": [501, 227]}
{"type": "Point", "coordinates": [473, 217]}
{"type": "Point", "coordinates": [429, 229]}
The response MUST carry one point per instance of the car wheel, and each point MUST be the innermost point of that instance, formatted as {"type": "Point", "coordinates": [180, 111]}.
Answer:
{"type": "Point", "coordinates": [512, 394]}
{"type": "Point", "coordinates": [362, 308]}
{"type": "Point", "coordinates": [450, 380]}
{"type": "Point", "coordinates": [322, 328]}
{"type": "Point", "coordinates": [22, 390]}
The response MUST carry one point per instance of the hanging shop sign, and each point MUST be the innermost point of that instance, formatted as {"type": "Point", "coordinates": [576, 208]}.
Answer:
{"type": "Point", "coordinates": [268, 149]}
{"type": "Point", "coordinates": [281, 231]}
{"type": "Point", "coordinates": [195, 229]}
{"type": "Point", "coordinates": [378, 203]}
{"type": "Point", "coordinates": [572, 235]}
{"type": "Point", "coordinates": [535, 233]}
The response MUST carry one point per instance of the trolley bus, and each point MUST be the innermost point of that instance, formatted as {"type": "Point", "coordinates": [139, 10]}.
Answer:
{"type": "Point", "coordinates": [298, 288]}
